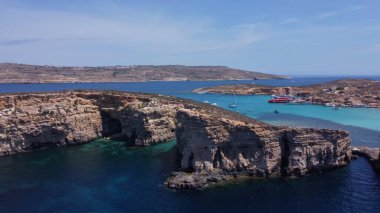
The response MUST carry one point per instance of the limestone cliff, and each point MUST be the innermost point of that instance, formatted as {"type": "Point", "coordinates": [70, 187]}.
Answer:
{"type": "Point", "coordinates": [215, 149]}
{"type": "Point", "coordinates": [214, 144]}
{"type": "Point", "coordinates": [30, 121]}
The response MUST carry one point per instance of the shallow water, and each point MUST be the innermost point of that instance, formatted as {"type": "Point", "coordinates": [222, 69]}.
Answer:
{"type": "Point", "coordinates": [110, 176]}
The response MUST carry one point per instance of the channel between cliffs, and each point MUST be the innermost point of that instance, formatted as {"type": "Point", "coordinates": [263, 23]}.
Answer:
{"type": "Point", "coordinates": [214, 144]}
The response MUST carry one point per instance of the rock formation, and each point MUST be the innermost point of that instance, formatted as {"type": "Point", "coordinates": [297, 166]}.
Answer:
{"type": "Point", "coordinates": [214, 144]}
{"type": "Point", "coordinates": [30, 121]}
{"type": "Point", "coordinates": [215, 149]}
{"type": "Point", "coordinates": [345, 92]}
{"type": "Point", "coordinates": [372, 155]}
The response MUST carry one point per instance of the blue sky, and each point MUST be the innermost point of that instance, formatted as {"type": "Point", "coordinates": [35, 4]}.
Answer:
{"type": "Point", "coordinates": [291, 37]}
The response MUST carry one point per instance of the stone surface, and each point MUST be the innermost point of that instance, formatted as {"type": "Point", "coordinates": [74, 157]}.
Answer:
{"type": "Point", "coordinates": [215, 149]}
{"type": "Point", "coordinates": [214, 144]}
{"type": "Point", "coordinates": [30, 121]}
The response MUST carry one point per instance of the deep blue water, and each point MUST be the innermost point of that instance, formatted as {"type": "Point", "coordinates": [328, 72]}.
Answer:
{"type": "Point", "coordinates": [109, 176]}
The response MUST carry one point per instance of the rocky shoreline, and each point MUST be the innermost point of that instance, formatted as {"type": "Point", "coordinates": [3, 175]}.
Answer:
{"type": "Point", "coordinates": [339, 93]}
{"type": "Point", "coordinates": [215, 145]}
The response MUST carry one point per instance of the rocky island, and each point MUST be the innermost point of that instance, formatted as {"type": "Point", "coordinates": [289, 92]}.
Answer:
{"type": "Point", "coordinates": [24, 73]}
{"type": "Point", "coordinates": [346, 92]}
{"type": "Point", "coordinates": [214, 144]}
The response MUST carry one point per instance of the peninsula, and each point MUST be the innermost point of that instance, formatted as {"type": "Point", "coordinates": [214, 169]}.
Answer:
{"type": "Point", "coordinates": [214, 145]}
{"type": "Point", "coordinates": [23, 73]}
{"type": "Point", "coordinates": [346, 92]}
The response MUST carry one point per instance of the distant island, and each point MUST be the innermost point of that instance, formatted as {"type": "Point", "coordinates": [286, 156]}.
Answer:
{"type": "Point", "coordinates": [24, 73]}
{"type": "Point", "coordinates": [345, 92]}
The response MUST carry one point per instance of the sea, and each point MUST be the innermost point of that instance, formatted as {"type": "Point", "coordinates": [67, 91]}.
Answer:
{"type": "Point", "coordinates": [112, 176]}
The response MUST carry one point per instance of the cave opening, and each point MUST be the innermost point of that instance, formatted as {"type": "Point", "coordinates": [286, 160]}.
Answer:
{"type": "Point", "coordinates": [111, 126]}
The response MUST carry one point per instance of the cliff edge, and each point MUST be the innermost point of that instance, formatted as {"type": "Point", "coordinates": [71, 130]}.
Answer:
{"type": "Point", "coordinates": [214, 144]}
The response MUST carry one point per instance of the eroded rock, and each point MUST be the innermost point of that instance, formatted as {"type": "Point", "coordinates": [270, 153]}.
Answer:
{"type": "Point", "coordinates": [216, 149]}
{"type": "Point", "coordinates": [372, 155]}
{"type": "Point", "coordinates": [215, 145]}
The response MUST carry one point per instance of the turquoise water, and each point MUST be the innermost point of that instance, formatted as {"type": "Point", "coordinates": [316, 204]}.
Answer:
{"type": "Point", "coordinates": [256, 106]}
{"type": "Point", "coordinates": [111, 176]}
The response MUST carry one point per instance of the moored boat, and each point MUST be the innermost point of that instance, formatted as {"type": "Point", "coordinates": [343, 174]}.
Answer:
{"type": "Point", "coordinates": [281, 99]}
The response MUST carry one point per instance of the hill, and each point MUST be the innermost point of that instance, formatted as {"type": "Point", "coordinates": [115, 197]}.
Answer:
{"type": "Point", "coordinates": [23, 73]}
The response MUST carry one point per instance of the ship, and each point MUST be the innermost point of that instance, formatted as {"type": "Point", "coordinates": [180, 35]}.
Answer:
{"type": "Point", "coordinates": [281, 99]}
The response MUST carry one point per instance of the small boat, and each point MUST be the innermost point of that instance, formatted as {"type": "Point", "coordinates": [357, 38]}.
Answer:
{"type": "Point", "coordinates": [336, 108]}
{"type": "Point", "coordinates": [214, 104]}
{"type": "Point", "coordinates": [276, 111]}
{"type": "Point", "coordinates": [206, 102]}
{"type": "Point", "coordinates": [233, 105]}
{"type": "Point", "coordinates": [281, 99]}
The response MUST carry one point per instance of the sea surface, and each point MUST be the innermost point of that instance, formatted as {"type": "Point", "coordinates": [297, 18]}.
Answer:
{"type": "Point", "coordinates": [111, 176]}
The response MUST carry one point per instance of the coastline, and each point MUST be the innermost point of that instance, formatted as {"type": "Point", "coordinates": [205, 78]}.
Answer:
{"type": "Point", "coordinates": [210, 140]}
{"type": "Point", "coordinates": [339, 93]}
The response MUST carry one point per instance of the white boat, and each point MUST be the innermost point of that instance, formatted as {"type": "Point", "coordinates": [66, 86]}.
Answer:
{"type": "Point", "coordinates": [214, 104]}
{"type": "Point", "coordinates": [233, 105]}
{"type": "Point", "coordinates": [206, 102]}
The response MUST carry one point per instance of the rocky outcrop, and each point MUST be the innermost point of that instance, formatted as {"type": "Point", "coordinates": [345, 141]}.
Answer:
{"type": "Point", "coordinates": [31, 121]}
{"type": "Point", "coordinates": [214, 144]}
{"type": "Point", "coordinates": [214, 150]}
{"type": "Point", "coordinates": [345, 92]}
{"type": "Point", "coordinates": [372, 155]}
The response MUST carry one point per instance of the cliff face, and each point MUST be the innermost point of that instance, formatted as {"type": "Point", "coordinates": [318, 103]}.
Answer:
{"type": "Point", "coordinates": [219, 149]}
{"type": "Point", "coordinates": [38, 120]}
{"type": "Point", "coordinates": [214, 144]}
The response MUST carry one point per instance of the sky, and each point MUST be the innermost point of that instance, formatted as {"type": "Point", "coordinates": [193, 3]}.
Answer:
{"type": "Point", "coordinates": [289, 37]}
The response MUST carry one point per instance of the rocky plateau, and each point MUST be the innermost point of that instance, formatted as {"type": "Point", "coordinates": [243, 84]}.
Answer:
{"type": "Point", "coordinates": [214, 145]}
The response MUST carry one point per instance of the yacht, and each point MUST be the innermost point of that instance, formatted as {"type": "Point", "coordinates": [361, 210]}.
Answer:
{"type": "Point", "coordinates": [233, 104]}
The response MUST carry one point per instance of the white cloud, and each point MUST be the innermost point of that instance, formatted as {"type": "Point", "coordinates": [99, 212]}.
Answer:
{"type": "Point", "coordinates": [340, 12]}
{"type": "Point", "coordinates": [135, 30]}
{"type": "Point", "coordinates": [327, 15]}
{"type": "Point", "coordinates": [290, 21]}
